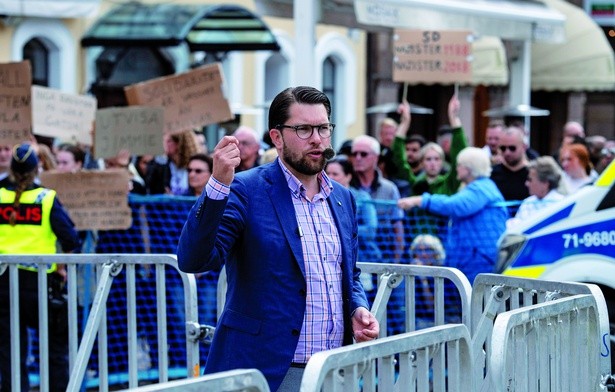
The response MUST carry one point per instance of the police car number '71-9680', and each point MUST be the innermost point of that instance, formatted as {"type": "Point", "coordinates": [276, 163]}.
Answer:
{"type": "Point", "coordinates": [589, 239]}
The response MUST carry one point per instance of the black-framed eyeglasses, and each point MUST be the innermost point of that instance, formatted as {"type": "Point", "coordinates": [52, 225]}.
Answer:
{"type": "Point", "coordinates": [305, 131]}
{"type": "Point", "coordinates": [511, 148]}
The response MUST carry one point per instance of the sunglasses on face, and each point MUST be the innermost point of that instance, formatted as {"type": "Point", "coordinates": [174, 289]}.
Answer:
{"type": "Point", "coordinates": [362, 154]}
{"type": "Point", "coordinates": [511, 148]}
{"type": "Point", "coordinates": [197, 171]}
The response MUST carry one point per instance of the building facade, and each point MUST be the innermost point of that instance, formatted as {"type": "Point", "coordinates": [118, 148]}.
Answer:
{"type": "Point", "coordinates": [352, 63]}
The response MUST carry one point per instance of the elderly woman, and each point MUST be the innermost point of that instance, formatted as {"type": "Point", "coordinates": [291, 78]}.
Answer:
{"type": "Point", "coordinates": [543, 182]}
{"type": "Point", "coordinates": [476, 219]}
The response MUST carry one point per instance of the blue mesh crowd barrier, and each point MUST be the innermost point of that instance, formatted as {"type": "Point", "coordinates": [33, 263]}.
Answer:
{"type": "Point", "coordinates": [157, 224]}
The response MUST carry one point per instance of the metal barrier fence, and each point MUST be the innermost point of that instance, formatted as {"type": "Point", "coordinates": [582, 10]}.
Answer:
{"type": "Point", "coordinates": [549, 347]}
{"type": "Point", "coordinates": [494, 297]}
{"type": "Point", "coordinates": [107, 267]}
{"type": "Point", "coordinates": [445, 285]}
{"type": "Point", "coordinates": [243, 380]}
{"type": "Point", "coordinates": [494, 294]}
{"type": "Point", "coordinates": [442, 280]}
{"type": "Point", "coordinates": [437, 358]}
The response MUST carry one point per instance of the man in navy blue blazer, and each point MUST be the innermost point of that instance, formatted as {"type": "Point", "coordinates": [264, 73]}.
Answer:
{"type": "Point", "coordinates": [288, 237]}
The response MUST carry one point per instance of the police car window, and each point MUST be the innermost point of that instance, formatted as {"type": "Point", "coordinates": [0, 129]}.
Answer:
{"type": "Point", "coordinates": [609, 199]}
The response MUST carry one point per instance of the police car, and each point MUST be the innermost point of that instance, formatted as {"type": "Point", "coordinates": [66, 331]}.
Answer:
{"type": "Point", "coordinates": [571, 240]}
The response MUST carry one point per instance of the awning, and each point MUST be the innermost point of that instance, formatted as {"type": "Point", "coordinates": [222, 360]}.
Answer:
{"type": "Point", "coordinates": [50, 8]}
{"type": "Point", "coordinates": [584, 62]}
{"type": "Point", "coordinates": [207, 28]}
{"type": "Point", "coordinates": [524, 20]}
{"type": "Point", "coordinates": [489, 67]}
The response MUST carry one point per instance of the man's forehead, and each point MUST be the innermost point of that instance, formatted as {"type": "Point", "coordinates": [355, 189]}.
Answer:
{"type": "Point", "coordinates": [361, 146]}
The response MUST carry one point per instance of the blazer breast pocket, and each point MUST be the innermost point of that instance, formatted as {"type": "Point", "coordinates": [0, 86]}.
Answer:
{"type": "Point", "coordinates": [241, 322]}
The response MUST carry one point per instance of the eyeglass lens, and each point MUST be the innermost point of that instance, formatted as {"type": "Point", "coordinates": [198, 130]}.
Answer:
{"type": "Point", "coordinates": [362, 154]}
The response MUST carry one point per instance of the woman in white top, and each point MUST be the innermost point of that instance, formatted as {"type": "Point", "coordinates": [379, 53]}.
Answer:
{"type": "Point", "coordinates": [543, 181]}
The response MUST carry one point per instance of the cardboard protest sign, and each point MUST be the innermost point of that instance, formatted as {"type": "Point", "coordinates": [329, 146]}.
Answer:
{"type": "Point", "coordinates": [432, 56]}
{"type": "Point", "coordinates": [62, 115]}
{"type": "Point", "coordinates": [95, 200]}
{"type": "Point", "coordinates": [190, 100]}
{"type": "Point", "coordinates": [136, 128]}
{"type": "Point", "coordinates": [15, 110]}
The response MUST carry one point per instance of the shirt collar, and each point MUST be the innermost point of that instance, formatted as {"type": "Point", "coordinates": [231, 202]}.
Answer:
{"type": "Point", "coordinates": [296, 187]}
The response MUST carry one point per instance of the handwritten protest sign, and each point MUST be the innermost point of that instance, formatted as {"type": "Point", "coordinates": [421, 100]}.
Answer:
{"type": "Point", "coordinates": [95, 200]}
{"type": "Point", "coordinates": [137, 128]}
{"type": "Point", "coordinates": [15, 111]}
{"type": "Point", "coordinates": [62, 115]}
{"type": "Point", "coordinates": [190, 100]}
{"type": "Point", "coordinates": [432, 56]}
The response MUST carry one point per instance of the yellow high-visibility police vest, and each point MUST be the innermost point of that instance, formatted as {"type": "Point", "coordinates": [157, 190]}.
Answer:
{"type": "Point", "coordinates": [32, 233]}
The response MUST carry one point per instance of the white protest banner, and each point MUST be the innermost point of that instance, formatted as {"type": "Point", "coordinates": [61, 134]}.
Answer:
{"type": "Point", "coordinates": [136, 128]}
{"type": "Point", "coordinates": [95, 200]}
{"type": "Point", "coordinates": [435, 56]}
{"type": "Point", "coordinates": [190, 100]}
{"type": "Point", "coordinates": [15, 110]}
{"type": "Point", "coordinates": [68, 117]}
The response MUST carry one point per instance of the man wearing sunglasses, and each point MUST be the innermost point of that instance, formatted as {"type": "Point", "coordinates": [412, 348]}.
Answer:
{"type": "Point", "coordinates": [511, 174]}
{"type": "Point", "coordinates": [287, 235]}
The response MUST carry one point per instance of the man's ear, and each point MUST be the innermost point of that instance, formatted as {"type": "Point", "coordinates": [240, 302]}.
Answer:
{"type": "Point", "coordinates": [276, 138]}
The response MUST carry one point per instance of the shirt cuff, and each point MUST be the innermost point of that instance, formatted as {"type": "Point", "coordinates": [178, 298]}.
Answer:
{"type": "Point", "coordinates": [216, 190]}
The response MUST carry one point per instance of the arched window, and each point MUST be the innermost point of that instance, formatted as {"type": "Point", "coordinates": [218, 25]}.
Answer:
{"type": "Point", "coordinates": [276, 78]}
{"type": "Point", "coordinates": [338, 64]}
{"type": "Point", "coordinates": [50, 47]}
{"type": "Point", "coordinates": [37, 52]}
{"type": "Point", "coordinates": [329, 87]}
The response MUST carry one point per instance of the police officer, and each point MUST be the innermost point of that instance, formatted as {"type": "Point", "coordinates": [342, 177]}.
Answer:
{"type": "Point", "coordinates": [32, 220]}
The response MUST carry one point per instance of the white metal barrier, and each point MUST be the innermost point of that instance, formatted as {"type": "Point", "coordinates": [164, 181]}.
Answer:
{"type": "Point", "coordinates": [549, 347]}
{"type": "Point", "coordinates": [390, 277]}
{"type": "Point", "coordinates": [433, 359]}
{"type": "Point", "coordinates": [494, 294]}
{"type": "Point", "coordinates": [426, 359]}
{"type": "Point", "coordinates": [242, 380]}
{"type": "Point", "coordinates": [107, 267]}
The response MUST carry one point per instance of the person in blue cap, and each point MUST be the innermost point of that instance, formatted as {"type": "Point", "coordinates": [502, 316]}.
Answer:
{"type": "Point", "coordinates": [32, 221]}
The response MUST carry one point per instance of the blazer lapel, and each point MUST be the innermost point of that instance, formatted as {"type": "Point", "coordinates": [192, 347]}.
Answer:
{"type": "Point", "coordinates": [282, 202]}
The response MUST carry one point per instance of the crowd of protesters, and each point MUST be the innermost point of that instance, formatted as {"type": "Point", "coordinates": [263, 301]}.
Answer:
{"type": "Point", "coordinates": [407, 189]}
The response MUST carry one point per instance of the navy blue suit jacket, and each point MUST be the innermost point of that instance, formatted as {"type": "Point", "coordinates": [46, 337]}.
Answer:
{"type": "Point", "coordinates": [255, 233]}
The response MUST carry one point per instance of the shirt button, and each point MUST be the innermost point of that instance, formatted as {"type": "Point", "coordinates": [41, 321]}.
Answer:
{"type": "Point", "coordinates": [295, 332]}
{"type": "Point", "coordinates": [302, 292]}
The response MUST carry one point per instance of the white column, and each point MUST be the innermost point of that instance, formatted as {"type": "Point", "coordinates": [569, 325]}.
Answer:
{"type": "Point", "coordinates": [520, 74]}
{"type": "Point", "coordinates": [306, 14]}
{"type": "Point", "coordinates": [521, 78]}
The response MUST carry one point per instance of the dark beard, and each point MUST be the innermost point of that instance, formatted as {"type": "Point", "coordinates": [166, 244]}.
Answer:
{"type": "Point", "coordinates": [301, 164]}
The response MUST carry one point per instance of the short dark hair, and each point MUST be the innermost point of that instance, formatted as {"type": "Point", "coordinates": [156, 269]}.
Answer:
{"type": "Point", "coordinates": [203, 157]}
{"type": "Point", "coordinates": [279, 109]}
{"type": "Point", "coordinates": [416, 138]}
{"type": "Point", "coordinates": [77, 152]}
{"type": "Point", "coordinates": [344, 162]}
{"type": "Point", "coordinates": [445, 130]}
